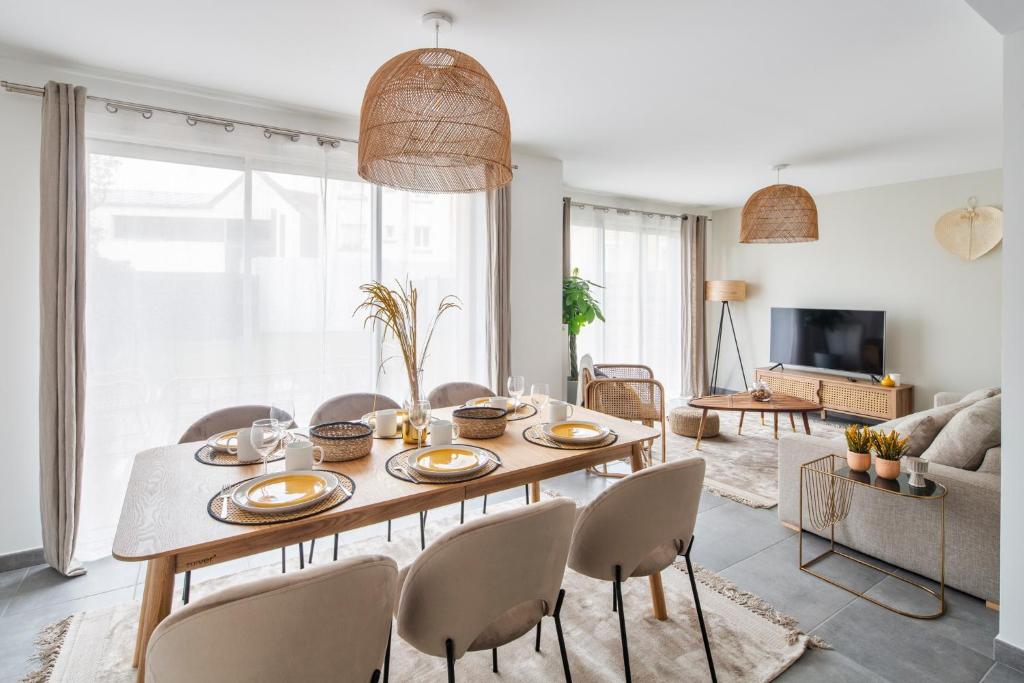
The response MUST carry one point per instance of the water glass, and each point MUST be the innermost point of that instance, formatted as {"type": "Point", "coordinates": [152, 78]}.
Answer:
{"type": "Point", "coordinates": [419, 418]}
{"type": "Point", "coordinates": [265, 437]}
{"type": "Point", "coordinates": [516, 387]}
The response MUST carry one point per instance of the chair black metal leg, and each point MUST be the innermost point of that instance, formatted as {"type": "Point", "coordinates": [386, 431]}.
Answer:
{"type": "Point", "coordinates": [302, 557]}
{"type": "Point", "coordinates": [449, 652]}
{"type": "Point", "coordinates": [423, 530]}
{"type": "Point", "coordinates": [335, 547]}
{"type": "Point", "coordinates": [376, 676]}
{"type": "Point", "coordinates": [387, 657]}
{"type": "Point", "coordinates": [700, 614]}
{"type": "Point", "coordinates": [187, 589]}
{"type": "Point", "coordinates": [312, 543]}
{"type": "Point", "coordinates": [485, 504]}
{"type": "Point", "coordinates": [526, 489]}
{"type": "Point", "coordinates": [615, 599]}
{"type": "Point", "coordinates": [561, 638]}
{"type": "Point", "coordinates": [462, 512]}
{"type": "Point", "coordinates": [389, 531]}
{"type": "Point", "coordinates": [536, 647]}
{"type": "Point", "coordinates": [284, 560]}
{"type": "Point", "coordinates": [622, 622]}
{"type": "Point", "coordinates": [494, 659]}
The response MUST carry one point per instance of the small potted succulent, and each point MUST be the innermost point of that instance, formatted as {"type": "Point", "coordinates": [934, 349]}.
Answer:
{"type": "Point", "coordinates": [888, 448]}
{"type": "Point", "coordinates": [858, 448]}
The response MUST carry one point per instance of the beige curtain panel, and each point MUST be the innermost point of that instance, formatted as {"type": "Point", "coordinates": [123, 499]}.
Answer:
{"type": "Point", "coordinates": [499, 311]}
{"type": "Point", "coordinates": [695, 369]}
{"type": "Point", "coordinates": [61, 316]}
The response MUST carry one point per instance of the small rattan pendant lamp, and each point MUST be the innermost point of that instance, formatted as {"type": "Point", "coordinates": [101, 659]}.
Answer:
{"type": "Point", "coordinates": [779, 213]}
{"type": "Point", "coordinates": [433, 121]}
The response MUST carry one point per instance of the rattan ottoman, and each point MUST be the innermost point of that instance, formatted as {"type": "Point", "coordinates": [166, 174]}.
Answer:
{"type": "Point", "coordinates": [685, 421]}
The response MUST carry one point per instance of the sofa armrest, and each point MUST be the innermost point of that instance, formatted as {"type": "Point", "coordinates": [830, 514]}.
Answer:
{"type": "Point", "coordinates": [945, 398]}
{"type": "Point", "coordinates": [794, 451]}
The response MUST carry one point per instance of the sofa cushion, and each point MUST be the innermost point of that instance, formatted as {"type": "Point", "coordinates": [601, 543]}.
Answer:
{"type": "Point", "coordinates": [979, 394]}
{"type": "Point", "coordinates": [992, 463]}
{"type": "Point", "coordinates": [921, 428]}
{"type": "Point", "coordinates": [972, 431]}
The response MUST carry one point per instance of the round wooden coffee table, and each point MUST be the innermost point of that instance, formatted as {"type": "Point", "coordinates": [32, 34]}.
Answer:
{"type": "Point", "coordinates": [744, 404]}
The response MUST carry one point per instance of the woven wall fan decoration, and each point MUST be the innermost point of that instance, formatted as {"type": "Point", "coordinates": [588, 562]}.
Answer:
{"type": "Point", "coordinates": [972, 232]}
{"type": "Point", "coordinates": [779, 213]}
{"type": "Point", "coordinates": [433, 120]}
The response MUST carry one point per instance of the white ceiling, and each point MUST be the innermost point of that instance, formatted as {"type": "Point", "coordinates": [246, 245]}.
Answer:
{"type": "Point", "coordinates": [686, 101]}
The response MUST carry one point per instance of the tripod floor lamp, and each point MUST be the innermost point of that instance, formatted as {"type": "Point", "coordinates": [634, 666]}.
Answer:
{"type": "Point", "coordinates": [726, 291]}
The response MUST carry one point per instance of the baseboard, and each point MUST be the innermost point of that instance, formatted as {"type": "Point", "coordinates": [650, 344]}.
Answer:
{"type": "Point", "coordinates": [992, 605]}
{"type": "Point", "coordinates": [1008, 655]}
{"type": "Point", "coordinates": [792, 527]}
{"type": "Point", "coordinates": [21, 559]}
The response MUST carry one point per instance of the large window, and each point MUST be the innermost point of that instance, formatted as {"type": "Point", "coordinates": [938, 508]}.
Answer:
{"type": "Point", "coordinates": [218, 280]}
{"type": "Point", "coordinates": [636, 257]}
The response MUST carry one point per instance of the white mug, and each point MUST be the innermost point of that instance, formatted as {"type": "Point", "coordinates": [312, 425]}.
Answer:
{"type": "Point", "coordinates": [298, 455]}
{"type": "Point", "coordinates": [498, 402]}
{"type": "Point", "coordinates": [895, 377]}
{"type": "Point", "coordinates": [384, 423]}
{"type": "Point", "coordinates": [559, 411]}
{"type": "Point", "coordinates": [442, 432]}
{"type": "Point", "coordinates": [244, 448]}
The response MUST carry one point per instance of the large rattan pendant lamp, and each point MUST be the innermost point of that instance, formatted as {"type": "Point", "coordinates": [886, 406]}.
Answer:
{"type": "Point", "coordinates": [779, 213]}
{"type": "Point", "coordinates": [434, 121]}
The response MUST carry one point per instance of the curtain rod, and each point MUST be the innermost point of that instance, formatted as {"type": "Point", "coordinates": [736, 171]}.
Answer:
{"type": "Point", "coordinates": [601, 207]}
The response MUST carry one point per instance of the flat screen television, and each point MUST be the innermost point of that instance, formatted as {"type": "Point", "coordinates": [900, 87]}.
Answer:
{"type": "Point", "coordinates": [847, 341]}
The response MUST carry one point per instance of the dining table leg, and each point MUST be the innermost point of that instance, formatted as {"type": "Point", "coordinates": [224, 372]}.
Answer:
{"type": "Point", "coordinates": [657, 590]}
{"type": "Point", "coordinates": [807, 425]}
{"type": "Point", "coordinates": [700, 427]}
{"type": "Point", "coordinates": [156, 605]}
{"type": "Point", "coordinates": [739, 430]}
{"type": "Point", "coordinates": [535, 491]}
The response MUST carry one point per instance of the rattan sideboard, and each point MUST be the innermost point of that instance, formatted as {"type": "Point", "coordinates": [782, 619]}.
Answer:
{"type": "Point", "coordinates": [860, 398]}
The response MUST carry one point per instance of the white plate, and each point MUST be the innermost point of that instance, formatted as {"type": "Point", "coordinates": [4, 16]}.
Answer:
{"type": "Point", "coordinates": [453, 460]}
{"type": "Point", "coordinates": [576, 432]}
{"type": "Point", "coordinates": [223, 440]}
{"type": "Point", "coordinates": [278, 488]}
{"type": "Point", "coordinates": [486, 401]}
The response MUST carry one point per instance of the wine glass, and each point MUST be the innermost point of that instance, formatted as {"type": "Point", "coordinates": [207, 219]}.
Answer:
{"type": "Point", "coordinates": [539, 395]}
{"type": "Point", "coordinates": [516, 386]}
{"type": "Point", "coordinates": [419, 418]}
{"type": "Point", "coordinates": [265, 436]}
{"type": "Point", "coordinates": [283, 410]}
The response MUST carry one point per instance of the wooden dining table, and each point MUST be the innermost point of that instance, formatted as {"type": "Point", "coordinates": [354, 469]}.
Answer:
{"type": "Point", "coordinates": [164, 520]}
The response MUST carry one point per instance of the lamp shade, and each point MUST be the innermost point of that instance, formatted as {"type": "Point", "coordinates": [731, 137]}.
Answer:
{"type": "Point", "coordinates": [433, 121]}
{"type": "Point", "coordinates": [725, 290]}
{"type": "Point", "coordinates": [779, 213]}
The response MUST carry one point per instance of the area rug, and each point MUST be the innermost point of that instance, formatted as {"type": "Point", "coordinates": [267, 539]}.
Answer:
{"type": "Point", "coordinates": [744, 467]}
{"type": "Point", "coordinates": [750, 641]}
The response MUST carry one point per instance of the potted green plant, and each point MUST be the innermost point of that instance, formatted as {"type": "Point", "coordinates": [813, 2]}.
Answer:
{"type": "Point", "coordinates": [858, 448]}
{"type": "Point", "coordinates": [579, 308]}
{"type": "Point", "coordinates": [888, 448]}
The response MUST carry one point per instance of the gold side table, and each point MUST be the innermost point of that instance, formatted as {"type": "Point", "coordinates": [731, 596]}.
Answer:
{"type": "Point", "coordinates": [828, 486]}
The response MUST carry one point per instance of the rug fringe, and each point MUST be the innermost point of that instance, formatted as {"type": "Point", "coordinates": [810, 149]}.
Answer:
{"type": "Point", "coordinates": [738, 498]}
{"type": "Point", "coordinates": [48, 646]}
{"type": "Point", "coordinates": [755, 604]}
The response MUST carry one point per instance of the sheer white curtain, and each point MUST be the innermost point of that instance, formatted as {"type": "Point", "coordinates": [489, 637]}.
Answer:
{"type": "Point", "coordinates": [636, 258]}
{"type": "Point", "coordinates": [224, 269]}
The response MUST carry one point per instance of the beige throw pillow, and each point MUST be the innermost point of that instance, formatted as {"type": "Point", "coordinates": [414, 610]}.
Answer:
{"type": "Point", "coordinates": [921, 428]}
{"type": "Point", "coordinates": [992, 464]}
{"type": "Point", "coordinates": [963, 442]}
{"type": "Point", "coordinates": [979, 394]}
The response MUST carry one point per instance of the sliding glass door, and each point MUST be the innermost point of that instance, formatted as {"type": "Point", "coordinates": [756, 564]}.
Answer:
{"type": "Point", "coordinates": [636, 258]}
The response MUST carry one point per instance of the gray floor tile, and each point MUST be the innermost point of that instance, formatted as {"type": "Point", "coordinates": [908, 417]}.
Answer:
{"type": "Point", "coordinates": [44, 586]}
{"type": "Point", "coordinates": [901, 649]}
{"type": "Point", "coordinates": [9, 582]}
{"type": "Point", "coordinates": [730, 533]}
{"type": "Point", "coordinates": [773, 574]}
{"type": "Point", "coordinates": [1003, 674]}
{"type": "Point", "coordinates": [828, 665]}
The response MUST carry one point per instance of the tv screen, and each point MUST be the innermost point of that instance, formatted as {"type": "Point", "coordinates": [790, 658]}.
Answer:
{"type": "Point", "coordinates": [848, 341]}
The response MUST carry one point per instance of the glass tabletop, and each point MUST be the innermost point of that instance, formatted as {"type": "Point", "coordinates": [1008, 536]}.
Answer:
{"type": "Point", "coordinates": [899, 486]}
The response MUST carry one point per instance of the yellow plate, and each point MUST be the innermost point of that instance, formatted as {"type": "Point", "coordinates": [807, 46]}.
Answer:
{"type": "Point", "coordinates": [575, 430]}
{"type": "Point", "coordinates": [447, 460]}
{"type": "Point", "coordinates": [286, 490]}
{"type": "Point", "coordinates": [486, 401]}
{"type": "Point", "coordinates": [224, 440]}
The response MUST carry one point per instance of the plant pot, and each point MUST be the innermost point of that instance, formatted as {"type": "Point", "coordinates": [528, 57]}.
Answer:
{"type": "Point", "coordinates": [571, 387]}
{"type": "Point", "coordinates": [858, 462]}
{"type": "Point", "coordinates": [887, 469]}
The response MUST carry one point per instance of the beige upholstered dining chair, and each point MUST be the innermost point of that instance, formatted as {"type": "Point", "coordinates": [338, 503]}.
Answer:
{"type": "Point", "coordinates": [629, 392]}
{"type": "Point", "coordinates": [488, 582]}
{"type": "Point", "coordinates": [233, 417]}
{"type": "Point", "coordinates": [330, 623]}
{"type": "Point", "coordinates": [350, 407]}
{"type": "Point", "coordinates": [609, 545]}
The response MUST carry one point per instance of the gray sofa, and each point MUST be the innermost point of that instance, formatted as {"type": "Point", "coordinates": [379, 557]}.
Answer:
{"type": "Point", "coordinates": [904, 532]}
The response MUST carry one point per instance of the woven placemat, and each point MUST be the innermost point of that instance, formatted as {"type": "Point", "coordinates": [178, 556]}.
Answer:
{"type": "Point", "coordinates": [212, 456]}
{"type": "Point", "coordinates": [535, 434]}
{"type": "Point", "coordinates": [398, 467]}
{"type": "Point", "coordinates": [523, 412]}
{"type": "Point", "coordinates": [236, 515]}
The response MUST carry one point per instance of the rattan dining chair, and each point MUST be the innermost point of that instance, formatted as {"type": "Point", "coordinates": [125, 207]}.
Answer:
{"type": "Point", "coordinates": [330, 623]}
{"type": "Point", "coordinates": [487, 583]}
{"type": "Point", "coordinates": [629, 392]}
{"type": "Point", "coordinates": [233, 417]}
{"type": "Point", "coordinates": [456, 394]}
{"type": "Point", "coordinates": [608, 544]}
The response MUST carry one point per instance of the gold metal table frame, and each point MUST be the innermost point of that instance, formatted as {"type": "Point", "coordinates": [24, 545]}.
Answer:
{"type": "Point", "coordinates": [829, 495]}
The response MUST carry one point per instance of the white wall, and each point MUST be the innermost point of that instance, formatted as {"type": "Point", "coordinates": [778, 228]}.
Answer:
{"type": "Point", "coordinates": [876, 251]}
{"type": "Point", "coordinates": [536, 257]}
{"type": "Point", "coordinates": [1011, 598]}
